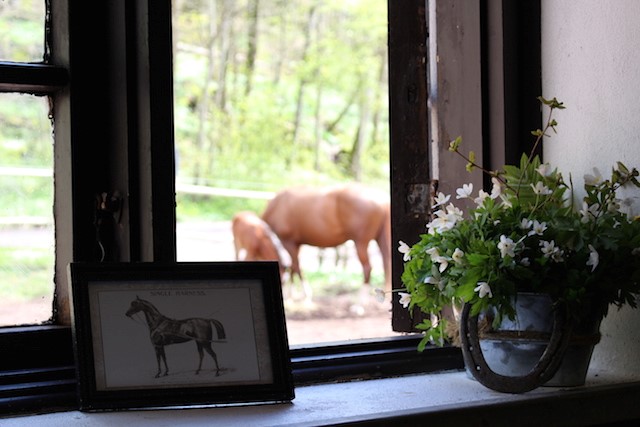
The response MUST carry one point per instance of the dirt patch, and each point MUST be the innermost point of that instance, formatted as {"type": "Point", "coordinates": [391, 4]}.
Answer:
{"type": "Point", "coordinates": [335, 307]}
{"type": "Point", "coordinates": [20, 312]}
{"type": "Point", "coordinates": [337, 318]}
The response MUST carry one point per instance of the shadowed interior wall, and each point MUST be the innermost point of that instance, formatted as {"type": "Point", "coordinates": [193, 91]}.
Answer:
{"type": "Point", "coordinates": [591, 62]}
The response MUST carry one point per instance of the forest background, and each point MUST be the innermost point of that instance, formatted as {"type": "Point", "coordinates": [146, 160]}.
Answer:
{"type": "Point", "coordinates": [273, 92]}
{"type": "Point", "coordinates": [267, 94]}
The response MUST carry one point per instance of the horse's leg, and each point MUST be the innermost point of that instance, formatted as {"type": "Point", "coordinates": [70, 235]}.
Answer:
{"type": "Point", "coordinates": [362, 249]}
{"type": "Point", "coordinates": [294, 252]}
{"type": "Point", "coordinates": [384, 244]}
{"type": "Point", "coordinates": [365, 291]}
{"type": "Point", "coordinates": [158, 358]}
{"type": "Point", "coordinates": [320, 258]}
{"type": "Point", "coordinates": [161, 357]}
{"type": "Point", "coordinates": [209, 349]}
{"type": "Point", "coordinates": [201, 354]}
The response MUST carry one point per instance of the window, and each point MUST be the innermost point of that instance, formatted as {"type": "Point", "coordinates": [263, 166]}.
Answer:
{"type": "Point", "coordinates": [253, 118]}
{"type": "Point", "coordinates": [114, 127]}
{"type": "Point", "coordinates": [484, 79]}
{"type": "Point", "coordinates": [26, 165]}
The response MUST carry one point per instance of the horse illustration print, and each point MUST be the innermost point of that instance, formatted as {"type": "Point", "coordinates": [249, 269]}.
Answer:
{"type": "Point", "coordinates": [165, 331]}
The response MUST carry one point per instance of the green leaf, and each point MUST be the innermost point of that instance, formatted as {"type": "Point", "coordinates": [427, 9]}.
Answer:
{"type": "Point", "coordinates": [475, 259]}
{"type": "Point", "coordinates": [453, 145]}
{"type": "Point", "coordinates": [465, 292]}
{"type": "Point", "coordinates": [423, 343]}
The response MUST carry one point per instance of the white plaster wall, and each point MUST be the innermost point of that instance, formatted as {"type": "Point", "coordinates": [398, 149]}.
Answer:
{"type": "Point", "coordinates": [591, 62]}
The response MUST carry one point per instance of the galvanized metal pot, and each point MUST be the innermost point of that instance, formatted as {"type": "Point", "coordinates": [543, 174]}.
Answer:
{"type": "Point", "coordinates": [541, 347]}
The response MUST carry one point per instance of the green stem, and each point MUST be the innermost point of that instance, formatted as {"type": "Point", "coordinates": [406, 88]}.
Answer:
{"type": "Point", "coordinates": [533, 149]}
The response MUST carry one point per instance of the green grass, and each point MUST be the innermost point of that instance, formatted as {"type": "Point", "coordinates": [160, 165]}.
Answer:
{"type": "Point", "coordinates": [26, 274]}
{"type": "Point", "coordinates": [208, 208]}
{"type": "Point", "coordinates": [339, 282]}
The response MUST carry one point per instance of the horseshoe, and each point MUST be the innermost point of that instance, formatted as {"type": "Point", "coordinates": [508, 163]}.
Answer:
{"type": "Point", "coordinates": [542, 372]}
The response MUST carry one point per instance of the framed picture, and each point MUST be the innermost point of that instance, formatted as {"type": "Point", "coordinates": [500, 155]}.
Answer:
{"type": "Point", "coordinates": [182, 334]}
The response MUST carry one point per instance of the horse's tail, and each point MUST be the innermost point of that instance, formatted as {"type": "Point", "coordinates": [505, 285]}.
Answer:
{"type": "Point", "coordinates": [219, 328]}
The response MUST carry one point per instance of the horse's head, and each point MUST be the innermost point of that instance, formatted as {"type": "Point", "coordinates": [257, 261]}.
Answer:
{"type": "Point", "coordinates": [136, 306]}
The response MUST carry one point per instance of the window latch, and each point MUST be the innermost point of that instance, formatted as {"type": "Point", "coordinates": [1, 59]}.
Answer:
{"type": "Point", "coordinates": [108, 214]}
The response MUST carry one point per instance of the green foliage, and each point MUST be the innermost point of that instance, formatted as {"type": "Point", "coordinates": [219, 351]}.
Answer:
{"type": "Point", "coordinates": [526, 236]}
{"type": "Point", "coordinates": [226, 136]}
{"type": "Point", "coordinates": [26, 273]}
{"type": "Point", "coordinates": [22, 29]}
{"type": "Point", "coordinates": [305, 105]}
{"type": "Point", "coordinates": [214, 208]}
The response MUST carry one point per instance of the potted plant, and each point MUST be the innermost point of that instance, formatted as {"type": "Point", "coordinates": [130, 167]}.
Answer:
{"type": "Point", "coordinates": [528, 236]}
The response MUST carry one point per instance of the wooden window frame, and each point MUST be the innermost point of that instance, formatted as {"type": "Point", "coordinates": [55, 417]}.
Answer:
{"type": "Point", "coordinates": [482, 62]}
{"type": "Point", "coordinates": [114, 132]}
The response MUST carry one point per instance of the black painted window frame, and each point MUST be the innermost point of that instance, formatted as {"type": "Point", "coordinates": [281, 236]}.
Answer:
{"type": "Point", "coordinates": [31, 382]}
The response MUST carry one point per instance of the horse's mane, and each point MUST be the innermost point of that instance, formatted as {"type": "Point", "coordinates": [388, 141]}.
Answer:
{"type": "Point", "coordinates": [147, 304]}
{"type": "Point", "coordinates": [285, 258]}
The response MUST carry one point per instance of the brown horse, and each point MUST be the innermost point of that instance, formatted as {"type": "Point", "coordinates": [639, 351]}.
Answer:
{"type": "Point", "coordinates": [254, 240]}
{"type": "Point", "coordinates": [328, 217]}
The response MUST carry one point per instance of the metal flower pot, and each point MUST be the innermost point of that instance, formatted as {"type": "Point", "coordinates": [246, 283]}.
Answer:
{"type": "Point", "coordinates": [541, 347]}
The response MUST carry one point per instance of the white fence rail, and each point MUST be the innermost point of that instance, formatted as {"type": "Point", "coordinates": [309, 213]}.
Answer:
{"type": "Point", "coordinates": [180, 188]}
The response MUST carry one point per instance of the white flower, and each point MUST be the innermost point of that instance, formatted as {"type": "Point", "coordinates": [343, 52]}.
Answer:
{"type": "Point", "coordinates": [635, 251]}
{"type": "Point", "coordinates": [404, 249]}
{"type": "Point", "coordinates": [544, 169]}
{"type": "Point", "coordinates": [432, 252]}
{"type": "Point", "coordinates": [589, 213]}
{"type": "Point", "coordinates": [435, 280]}
{"type": "Point", "coordinates": [525, 262]}
{"type": "Point", "coordinates": [538, 228]}
{"type": "Point", "coordinates": [434, 319]}
{"type": "Point", "coordinates": [541, 189]}
{"type": "Point", "coordinates": [454, 213]}
{"type": "Point", "coordinates": [594, 179]}
{"type": "Point", "coordinates": [625, 206]}
{"type": "Point", "coordinates": [444, 263]}
{"type": "Point", "coordinates": [547, 247]}
{"type": "Point", "coordinates": [405, 299]}
{"type": "Point", "coordinates": [557, 255]}
{"type": "Point", "coordinates": [441, 199]}
{"type": "Point", "coordinates": [457, 256]}
{"type": "Point", "coordinates": [506, 247]}
{"type": "Point", "coordinates": [465, 191]}
{"type": "Point", "coordinates": [445, 219]}
{"type": "Point", "coordinates": [505, 201]}
{"type": "Point", "coordinates": [380, 295]}
{"type": "Point", "coordinates": [550, 250]}
{"type": "Point", "coordinates": [483, 290]}
{"type": "Point", "coordinates": [438, 259]}
{"type": "Point", "coordinates": [526, 223]}
{"type": "Point", "coordinates": [496, 189]}
{"type": "Point", "coordinates": [481, 196]}
{"type": "Point", "coordinates": [438, 225]}
{"type": "Point", "coordinates": [594, 258]}
{"type": "Point", "coordinates": [614, 205]}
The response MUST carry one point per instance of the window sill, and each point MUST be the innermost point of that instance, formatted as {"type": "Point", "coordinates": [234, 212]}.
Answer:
{"type": "Point", "coordinates": [449, 396]}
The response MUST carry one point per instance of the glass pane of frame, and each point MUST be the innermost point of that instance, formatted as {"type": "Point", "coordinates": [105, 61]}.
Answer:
{"type": "Point", "coordinates": [22, 29]}
{"type": "Point", "coordinates": [273, 94]}
{"type": "Point", "coordinates": [26, 210]}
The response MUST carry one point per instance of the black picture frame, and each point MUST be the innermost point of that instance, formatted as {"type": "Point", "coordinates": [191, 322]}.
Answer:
{"type": "Point", "coordinates": [113, 336]}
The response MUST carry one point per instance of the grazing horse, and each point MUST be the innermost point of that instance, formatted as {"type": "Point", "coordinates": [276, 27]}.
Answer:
{"type": "Point", "coordinates": [328, 217]}
{"type": "Point", "coordinates": [164, 331]}
{"type": "Point", "coordinates": [254, 240]}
